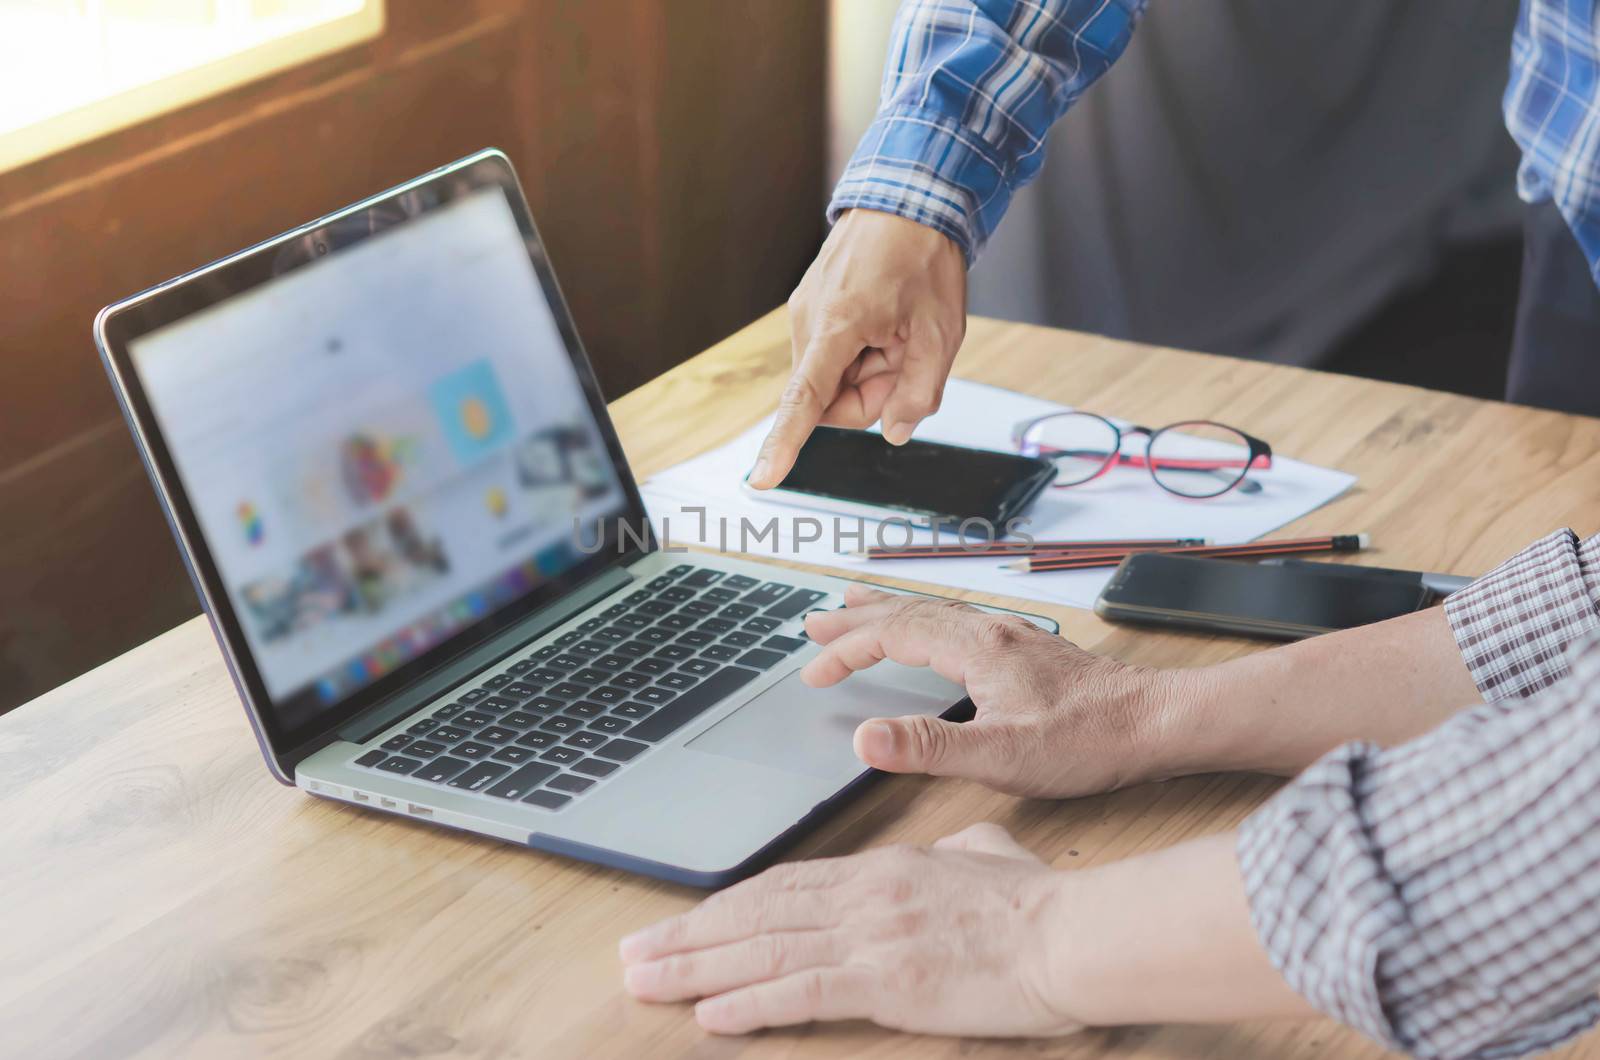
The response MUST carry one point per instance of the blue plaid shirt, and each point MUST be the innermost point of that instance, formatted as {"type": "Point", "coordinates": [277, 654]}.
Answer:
{"type": "Point", "coordinates": [972, 87]}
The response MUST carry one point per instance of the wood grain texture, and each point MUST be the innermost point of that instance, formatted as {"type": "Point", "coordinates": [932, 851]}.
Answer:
{"type": "Point", "coordinates": [164, 897]}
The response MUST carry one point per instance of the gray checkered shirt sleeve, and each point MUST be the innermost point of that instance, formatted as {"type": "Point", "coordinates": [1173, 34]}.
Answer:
{"type": "Point", "coordinates": [1514, 625]}
{"type": "Point", "coordinates": [1443, 897]}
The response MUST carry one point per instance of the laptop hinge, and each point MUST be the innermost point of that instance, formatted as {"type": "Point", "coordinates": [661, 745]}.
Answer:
{"type": "Point", "coordinates": [382, 715]}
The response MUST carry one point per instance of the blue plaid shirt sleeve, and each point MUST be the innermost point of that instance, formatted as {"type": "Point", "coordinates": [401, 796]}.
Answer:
{"type": "Point", "coordinates": [969, 92]}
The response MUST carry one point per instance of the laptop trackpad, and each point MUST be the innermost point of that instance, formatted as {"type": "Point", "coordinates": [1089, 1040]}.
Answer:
{"type": "Point", "coordinates": [800, 729]}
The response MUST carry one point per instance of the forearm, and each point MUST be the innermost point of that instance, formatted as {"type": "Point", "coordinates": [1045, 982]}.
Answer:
{"type": "Point", "coordinates": [1165, 937]}
{"type": "Point", "coordinates": [1277, 711]}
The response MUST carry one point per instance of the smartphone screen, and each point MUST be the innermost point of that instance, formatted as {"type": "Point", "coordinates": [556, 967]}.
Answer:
{"type": "Point", "coordinates": [1237, 597]}
{"type": "Point", "coordinates": [947, 483]}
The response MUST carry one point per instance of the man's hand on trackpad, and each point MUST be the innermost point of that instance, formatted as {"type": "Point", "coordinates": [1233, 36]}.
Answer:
{"type": "Point", "coordinates": [1052, 719]}
{"type": "Point", "coordinates": [874, 326]}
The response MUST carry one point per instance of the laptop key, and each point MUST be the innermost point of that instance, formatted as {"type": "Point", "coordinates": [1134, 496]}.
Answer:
{"type": "Point", "coordinates": [680, 570]}
{"type": "Point", "coordinates": [592, 676]}
{"type": "Point", "coordinates": [614, 610]}
{"type": "Point", "coordinates": [652, 666]}
{"type": "Point", "coordinates": [691, 704]}
{"type": "Point", "coordinates": [698, 667]}
{"type": "Point", "coordinates": [611, 662]}
{"type": "Point", "coordinates": [794, 603]}
{"type": "Point", "coordinates": [677, 622]}
{"type": "Point", "coordinates": [762, 625]}
{"type": "Point", "coordinates": [677, 680]}
{"type": "Point", "coordinates": [480, 776]}
{"type": "Point", "coordinates": [631, 679]}
{"type": "Point", "coordinates": [372, 758]}
{"type": "Point", "coordinates": [471, 750]}
{"type": "Point", "coordinates": [696, 638]}
{"type": "Point", "coordinates": [720, 595]}
{"type": "Point", "coordinates": [760, 658]}
{"type": "Point", "coordinates": [631, 710]}
{"type": "Point", "coordinates": [550, 800]}
{"type": "Point", "coordinates": [589, 648]}
{"type": "Point", "coordinates": [473, 695]}
{"type": "Point", "coordinates": [425, 749]}
{"type": "Point", "coordinates": [783, 643]}
{"type": "Point", "coordinates": [591, 624]}
{"type": "Point", "coordinates": [620, 750]}
{"type": "Point", "coordinates": [513, 754]}
{"type": "Point", "coordinates": [565, 662]}
{"type": "Point", "coordinates": [594, 767]}
{"type": "Point", "coordinates": [677, 594]}
{"type": "Point", "coordinates": [473, 720]}
{"type": "Point", "coordinates": [739, 581]}
{"type": "Point", "coordinates": [521, 666]}
{"type": "Point", "coordinates": [770, 593]}
{"type": "Point", "coordinates": [423, 727]}
{"type": "Point", "coordinates": [638, 596]}
{"type": "Point", "coordinates": [718, 625]}
{"type": "Point", "coordinates": [497, 681]}
{"type": "Point", "coordinates": [568, 782]}
{"type": "Point", "coordinates": [655, 696]}
{"type": "Point", "coordinates": [497, 703]}
{"type": "Point", "coordinates": [393, 743]}
{"type": "Point", "coordinates": [585, 709]}
{"type": "Point", "coordinates": [702, 577]}
{"type": "Point", "coordinates": [608, 694]}
{"type": "Point", "coordinates": [562, 755]}
{"type": "Point", "coordinates": [449, 711]}
{"type": "Point", "coordinates": [523, 781]}
{"type": "Point", "coordinates": [398, 764]}
{"type": "Point", "coordinates": [520, 689]}
{"type": "Point", "coordinates": [721, 652]}
{"type": "Point", "coordinates": [612, 634]}
{"type": "Point", "coordinates": [656, 607]}
{"type": "Point", "coordinates": [563, 640]}
{"type": "Point", "coordinates": [655, 635]}
{"type": "Point", "coordinates": [701, 607]}
{"type": "Point", "coordinates": [566, 690]}
{"type": "Point", "coordinates": [536, 739]}
{"type": "Point", "coordinates": [635, 621]}
{"type": "Point", "coordinates": [635, 648]}
{"type": "Point", "coordinates": [561, 723]}
{"type": "Point", "coordinates": [497, 734]}
{"type": "Point", "coordinates": [542, 705]}
{"type": "Point", "coordinates": [675, 651]}
{"type": "Point", "coordinates": [449, 733]}
{"type": "Point", "coordinates": [742, 639]}
{"type": "Point", "coordinates": [585, 740]}
{"type": "Point", "coordinates": [607, 725]}
{"type": "Point", "coordinates": [737, 611]}
{"type": "Point", "coordinates": [441, 769]}
{"type": "Point", "coordinates": [545, 674]}
{"type": "Point", "coordinates": [518, 719]}
{"type": "Point", "coordinates": [550, 649]}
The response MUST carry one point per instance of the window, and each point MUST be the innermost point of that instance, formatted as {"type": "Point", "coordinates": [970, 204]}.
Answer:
{"type": "Point", "coordinates": [71, 70]}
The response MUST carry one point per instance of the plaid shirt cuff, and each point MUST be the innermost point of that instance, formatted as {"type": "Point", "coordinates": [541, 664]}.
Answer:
{"type": "Point", "coordinates": [1515, 624]}
{"type": "Point", "coordinates": [923, 166]}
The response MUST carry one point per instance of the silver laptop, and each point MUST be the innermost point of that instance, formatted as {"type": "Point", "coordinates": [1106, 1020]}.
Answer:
{"type": "Point", "coordinates": [392, 476]}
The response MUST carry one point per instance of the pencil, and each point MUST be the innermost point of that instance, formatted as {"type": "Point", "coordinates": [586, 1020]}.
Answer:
{"type": "Point", "coordinates": [1112, 557]}
{"type": "Point", "coordinates": [976, 549]}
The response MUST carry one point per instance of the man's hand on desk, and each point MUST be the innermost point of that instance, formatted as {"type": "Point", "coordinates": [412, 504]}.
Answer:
{"type": "Point", "coordinates": [1052, 719]}
{"type": "Point", "coordinates": [875, 325]}
{"type": "Point", "coordinates": [948, 939]}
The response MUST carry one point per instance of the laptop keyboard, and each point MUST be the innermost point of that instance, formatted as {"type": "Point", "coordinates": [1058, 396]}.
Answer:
{"type": "Point", "coordinates": [555, 722]}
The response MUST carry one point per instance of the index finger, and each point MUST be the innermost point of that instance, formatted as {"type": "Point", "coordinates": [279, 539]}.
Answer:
{"type": "Point", "coordinates": [810, 390]}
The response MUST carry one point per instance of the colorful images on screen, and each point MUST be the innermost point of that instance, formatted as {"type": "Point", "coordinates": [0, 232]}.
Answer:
{"type": "Point", "coordinates": [250, 523]}
{"type": "Point", "coordinates": [372, 467]}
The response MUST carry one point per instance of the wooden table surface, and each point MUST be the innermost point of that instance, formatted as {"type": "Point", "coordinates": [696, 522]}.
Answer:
{"type": "Point", "coordinates": [161, 895]}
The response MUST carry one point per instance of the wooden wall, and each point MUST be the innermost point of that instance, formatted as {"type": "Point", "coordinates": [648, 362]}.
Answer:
{"type": "Point", "coordinates": [672, 151]}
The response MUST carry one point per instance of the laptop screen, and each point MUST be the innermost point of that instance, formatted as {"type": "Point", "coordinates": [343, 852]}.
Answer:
{"type": "Point", "coordinates": [382, 448]}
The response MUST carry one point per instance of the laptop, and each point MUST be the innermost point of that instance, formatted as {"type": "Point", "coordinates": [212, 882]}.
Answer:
{"type": "Point", "coordinates": [392, 476]}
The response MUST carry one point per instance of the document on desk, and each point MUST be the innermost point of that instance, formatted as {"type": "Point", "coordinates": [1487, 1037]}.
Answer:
{"type": "Point", "coordinates": [701, 503]}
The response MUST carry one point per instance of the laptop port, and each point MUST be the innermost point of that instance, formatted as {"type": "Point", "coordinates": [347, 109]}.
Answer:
{"type": "Point", "coordinates": [419, 811]}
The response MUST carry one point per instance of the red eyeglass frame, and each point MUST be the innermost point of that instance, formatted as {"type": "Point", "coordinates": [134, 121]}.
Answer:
{"type": "Point", "coordinates": [1260, 457]}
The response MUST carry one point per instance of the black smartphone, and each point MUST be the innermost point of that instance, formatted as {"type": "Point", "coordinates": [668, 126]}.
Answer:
{"type": "Point", "coordinates": [858, 473]}
{"type": "Point", "coordinates": [1233, 596]}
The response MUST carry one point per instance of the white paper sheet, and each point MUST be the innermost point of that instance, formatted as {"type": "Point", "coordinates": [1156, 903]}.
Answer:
{"type": "Point", "coordinates": [1123, 504]}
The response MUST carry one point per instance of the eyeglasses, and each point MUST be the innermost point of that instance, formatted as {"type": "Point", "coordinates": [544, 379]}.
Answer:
{"type": "Point", "coordinates": [1195, 458]}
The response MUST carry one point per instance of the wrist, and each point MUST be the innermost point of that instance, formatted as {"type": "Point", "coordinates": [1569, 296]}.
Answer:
{"type": "Point", "coordinates": [1182, 733]}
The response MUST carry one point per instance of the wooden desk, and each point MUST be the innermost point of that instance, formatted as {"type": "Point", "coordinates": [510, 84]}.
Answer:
{"type": "Point", "coordinates": [161, 895]}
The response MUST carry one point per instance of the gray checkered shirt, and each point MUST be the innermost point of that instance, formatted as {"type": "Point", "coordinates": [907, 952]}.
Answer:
{"type": "Point", "coordinates": [1443, 897]}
